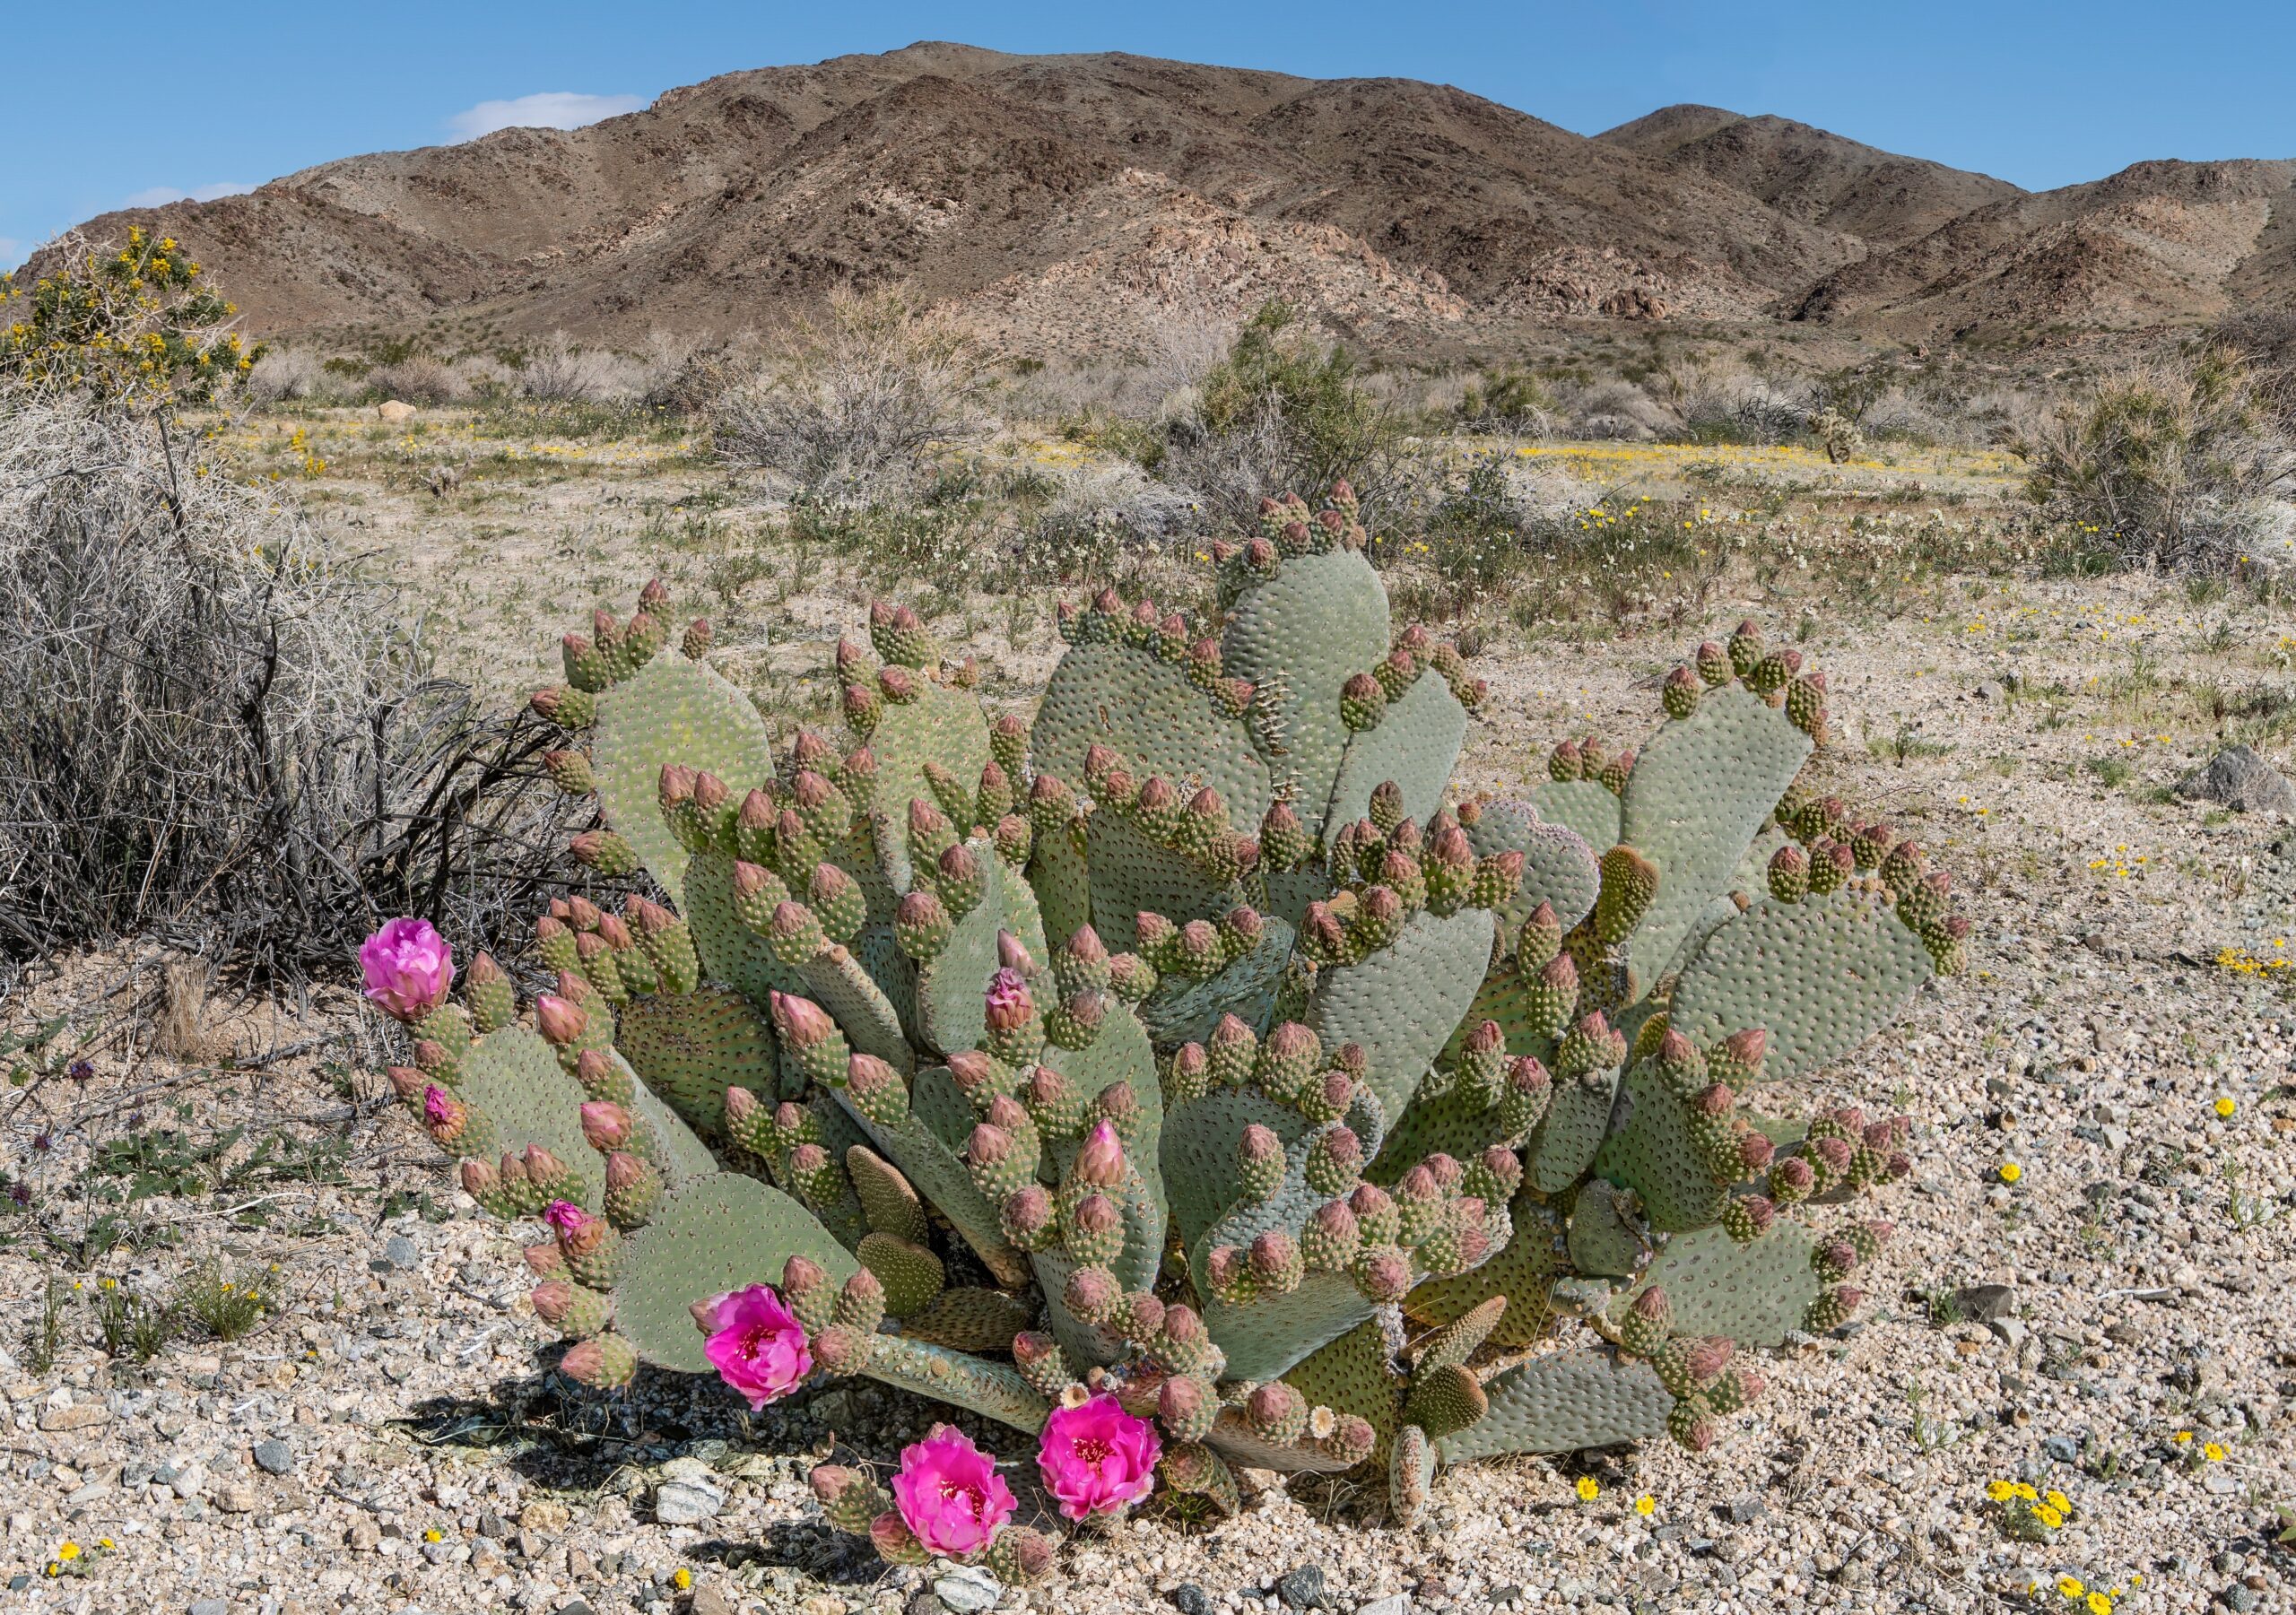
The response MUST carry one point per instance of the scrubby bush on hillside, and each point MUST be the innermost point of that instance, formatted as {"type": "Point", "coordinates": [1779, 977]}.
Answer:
{"type": "Point", "coordinates": [855, 403]}
{"type": "Point", "coordinates": [132, 324]}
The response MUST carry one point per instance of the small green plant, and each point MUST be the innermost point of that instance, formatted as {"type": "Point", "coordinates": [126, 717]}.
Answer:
{"type": "Point", "coordinates": [45, 1338]}
{"type": "Point", "coordinates": [2111, 772]}
{"type": "Point", "coordinates": [133, 1327]}
{"type": "Point", "coordinates": [225, 1303]}
{"type": "Point", "coordinates": [1931, 1435]}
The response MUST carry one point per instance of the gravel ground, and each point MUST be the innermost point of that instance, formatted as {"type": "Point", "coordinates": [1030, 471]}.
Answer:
{"type": "Point", "coordinates": [390, 1437]}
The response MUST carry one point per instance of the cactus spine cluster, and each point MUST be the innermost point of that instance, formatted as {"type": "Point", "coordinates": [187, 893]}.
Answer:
{"type": "Point", "coordinates": [1272, 1089]}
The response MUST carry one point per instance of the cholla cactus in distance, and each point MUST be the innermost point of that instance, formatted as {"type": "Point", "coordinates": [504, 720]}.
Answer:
{"type": "Point", "coordinates": [1198, 1017]}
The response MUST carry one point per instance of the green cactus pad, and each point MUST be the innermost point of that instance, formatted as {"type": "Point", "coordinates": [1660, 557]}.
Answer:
{"type": "Point", "coordinates": [1820, 976]}
{"type": "Point", "coordinates": [672, 711]}
{"type": "Point", "coordinates": [1122, 1052]}
{"type": "Point", "coordinates": [513, 1078]}
{"type": "Point", "coordinates": [1455, 1124]}
{"type": "Point", "coordinates": [1415, 745]}
{"type": "Point", "coordinates": [684, 1155]}
{"type": "Point", "coordinates": [691, 1047]}
{"type": "Point", "coordinates": [1352, 1375]}
{"type": "Point", "coordinates": [1411, 1474]}
{"type": "Point", "coordinates": [951, 986]}
{"type": "Point", "coordinates": [1185, 1012]}
{"type": "Point", "coordinates": [1558, 865]}
{"type": "Point", "coordinates": [938, 1175]}
{"type": "Point", "coordinates": [1268, 1336]}
{"type": "Point", "coordinates": [1603, 1239]}
{"type": "Point", "coordinates": [1585, 805]}
{"type": "Point", "coordinates": [968, 1319]}
{"type": "Point", "coordinates": [1402, 1003]}
{"type": "Point", "coordinates": [1131, 874]}
{"type": "Point", "coordinates": [1699, 791]}
{"type": "Point", "coordinates": [1653, 1153]}
{"type": "Point", "coordinates": [1057, 874]}
{"type": "Point", "coordinates": [992, 1390]}
{"type": "Point", "coordinates": [1753, 1293]}
{"type": "Point", "coordinates": [1297, 637]}
{"type": "Point", "coordinates": [1563, 1403]}
{"type": "Point", "coordinates": [1199, 1154]}
{"type": "Point", "coordinates": [1234, 1437]}
{"type": "Point", "coordinates": [869, 1020]}
{"type": "Point", "coordinates": [731, 953]}
{"type": "Point", "coordinates": [941, 725]}
{"type": "Point", "coordinates": [708, 1236]}
{"type": "Point", "coordinates": [1146, 711]}
{"type": "Point", "coordinates": [1576, 1119]}
{"type": "Point", "coordinates": [1532, 1260]}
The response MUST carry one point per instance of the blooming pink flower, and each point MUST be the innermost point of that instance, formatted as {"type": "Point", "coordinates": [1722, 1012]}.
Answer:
{"type": "Point", "coordinates": [439, 1107]}
{"type": "Point", "coordinates": [408, 968]}
{"type": "Point", "coordinates": [565, 1216]}
{"type": "Point", "coordinates": [1009, 1004]}
{"type": "Point", "coordinates": [759, 1347]}
{"type": "Point", "coordinates": [1096, 1458]}
{"type": "Point", "coordinates": [950, 1494]}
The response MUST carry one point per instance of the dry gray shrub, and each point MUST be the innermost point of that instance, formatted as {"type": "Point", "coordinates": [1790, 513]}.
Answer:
{"type": "Point", "coordinates": [557, 369]}
{"type": "Point", "coordinates": [854, 404]}
{"type": "Point", "coordinates": [418, 379]}
{"type": "Point", "coordinates": [2171, 463]}
{"type": "Point", "coordinates": [215, 735]}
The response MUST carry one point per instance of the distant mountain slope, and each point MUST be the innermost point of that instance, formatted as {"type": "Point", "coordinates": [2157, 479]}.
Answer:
{"type": "Point", "coordinates": [1087, 201]}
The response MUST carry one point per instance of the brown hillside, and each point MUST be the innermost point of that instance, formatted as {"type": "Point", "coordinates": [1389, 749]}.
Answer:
{"type": "Point", "coordinates": [1088, 202]}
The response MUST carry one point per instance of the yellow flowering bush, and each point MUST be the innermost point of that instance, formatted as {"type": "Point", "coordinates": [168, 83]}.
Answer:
{"type": "Point", "coordinates": [132, 325]}
{"type": "Point", "coordinates": [2025, 1514]}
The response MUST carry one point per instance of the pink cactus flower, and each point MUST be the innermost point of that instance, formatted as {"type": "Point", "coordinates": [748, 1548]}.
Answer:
{"type": "Point", "coordinates": [1009, 1004]}
{"type": "Point", "coordinates": [758, 1345]}
{"type": "Point", "coordinates": [408, 968]}
{"type": "Point", "coordinates": [1096, 1458]}
{"type": "Point", "coordinates": [565, 1216]}
{"type": "Point", "coordinates": [950, 1494]}
{"type": "Point", "coordinates": [439, 1107]}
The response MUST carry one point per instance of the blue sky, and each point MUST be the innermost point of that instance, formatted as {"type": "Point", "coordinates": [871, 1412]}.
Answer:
{"type": "Point", "coordinates": [127, 100]}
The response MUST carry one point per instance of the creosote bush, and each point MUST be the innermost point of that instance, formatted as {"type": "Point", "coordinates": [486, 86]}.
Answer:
{"type": "Point", "coordinates": [856, 403]}
{"type": "Point", "coordinates": [2173, 464]}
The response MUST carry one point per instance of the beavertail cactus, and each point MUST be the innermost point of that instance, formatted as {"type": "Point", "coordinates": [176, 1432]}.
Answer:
{"type": "Point", "coordinates": [1272, 1097]}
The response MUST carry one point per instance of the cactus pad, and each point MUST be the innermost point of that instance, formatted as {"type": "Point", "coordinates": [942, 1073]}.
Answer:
{"type": "Point", "coordinates": [691, 1047]}
{"type": "Point", "coordinates": [671, 711]}
{"type": "Point", "coordinates": [1752, 1294]}
{"type": "Point", "coordinates": [1562, 1403]}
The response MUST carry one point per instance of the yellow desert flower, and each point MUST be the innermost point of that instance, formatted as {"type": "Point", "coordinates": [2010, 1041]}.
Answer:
{"type": "Point", "coordinates": [1646, 1504]}
{"type": "Point", "coordinates": [2011, 1171]}
{"type": "Point", "coordinates": [2069, 1587]}
{"type": "Point", "coordinates": [1587, 1489]}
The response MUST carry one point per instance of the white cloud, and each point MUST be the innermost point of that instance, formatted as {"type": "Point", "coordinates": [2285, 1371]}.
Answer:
{"type": "Point", "coordinates": [159, 196]}
{"type": "Point", "coordinates": [551, 109]}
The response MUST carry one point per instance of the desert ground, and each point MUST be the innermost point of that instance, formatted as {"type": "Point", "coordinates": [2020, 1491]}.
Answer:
{"type": "Point", "coordinates": [2087, 1293]}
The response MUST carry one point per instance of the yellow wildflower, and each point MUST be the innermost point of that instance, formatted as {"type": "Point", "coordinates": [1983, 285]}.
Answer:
{"type": "Point", "coordinates": [2214, 1452]}
{"type": "Point", "coordinates": [1646, 1504]}
{"type": "Point", "coordinates": [2048, 1516]}
{"type": "Point", "coordinates": [1587, 1489]}
{"type": "Point", "coordinates": [2226, 1107]}
{"type": "Point", "coordinates": [2026, 1492]}
{"type": "Point", "coordinates": [2070, 1588]}
{"type": "Point", "coordinates": [2000, 1491]}
{"type": "Point", "coordinates": [2099, 1604]}
{"type": "Point", "coordinates": [683, 1580]}
{"type": "Point", "coordinates": [2011, 1171]}
{"type": "Point", "coordinates": [2183, 1438]}
{"type": "Point", "coordinates": [2059, 1501]}
{"type": "Point", "coordinates": [69, 1551]}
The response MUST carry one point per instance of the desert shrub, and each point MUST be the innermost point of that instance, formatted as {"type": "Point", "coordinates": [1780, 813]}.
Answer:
{"type": "Point", "coordinates": [1508, 400]}
{"type": "Point", "coordinates": [556, 370]}
{"type": "Point", "coordinates": [418, 379]}
{"type": "Point", "coordinates": [1280, 411]}
{"type": "Point", "coordinates": [1614, 409]}
{"type": "Point", "coordinates": [127, 324]}
{"type": "Point", "coordinates": [290, 375]}
{"type": "Point", "coordinates": [2173, 464]}
{"type": "Point", "coordinates": [214, 733]}
{"type": "Point", "coordinates": [853, 406]}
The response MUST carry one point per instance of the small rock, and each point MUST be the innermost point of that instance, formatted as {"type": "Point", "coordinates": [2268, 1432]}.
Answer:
{"type": "Point", "coordinates": [235, 1499]}
{"type": "Point", "coordinates": [968, 1590]}
{"type": "Point", "coordinates": [79, 1416]}
{"type": "Point", "coordinates": [2062, 1448]}
{"type": "Point", "coordinates": [493, 1527]}
{"type": "Point", "coordinates": [399, 1251]}
{"type": "Point", "coordinates": [364, 1537]}
{"type": "Point", "coordinates": [1747, 1509]}
{"type": "Point", "coordinates": [2242, 780]}
{"type": "Point", "coordinates": [687, 1500]}
{"type": "Point", "coordinates": [1394, 1603]}
{"type": "Point", "coordinates": [2008, 1331]}
{"type": "Point", "coordinates": [1188, 1598]}
{"type": "Point", "coordinates": [1983, 1303]}
{"type": "Point", "coordinates": [275, 1456]}
{"type": "Point", "coordinates": [394, 411]}
{"type": "Point", "coordinates": [1303, 1588]}
{"type": "Point", "coordinates": [575, 1606]}
{"type": "Point", "coordinates": [1988, 692]}
{"type": "Point", "coordinates": [544, 1514]}
{"type": "Point", "coordinates": [708, 1599]}
{"type": "Point", "coordinates": [2240, 1599]}
{"type": "Point", "coordinates": [210, 1606]}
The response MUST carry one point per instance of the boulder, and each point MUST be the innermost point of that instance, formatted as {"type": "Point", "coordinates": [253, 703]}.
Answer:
{"type": "Point", "coordinates": [2240, 779]}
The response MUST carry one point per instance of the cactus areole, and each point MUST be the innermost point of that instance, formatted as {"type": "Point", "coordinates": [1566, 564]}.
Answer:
{"type": "Point", "coordinates": [1199, 1016]}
